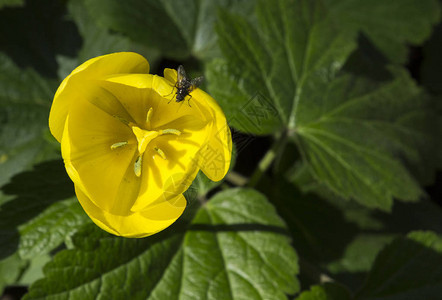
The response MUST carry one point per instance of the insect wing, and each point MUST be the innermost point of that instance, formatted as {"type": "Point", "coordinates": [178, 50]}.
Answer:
{"type": "Point", "coordinates": [181, 76]}
{"type": "Point", "coordinates": [196, 82]}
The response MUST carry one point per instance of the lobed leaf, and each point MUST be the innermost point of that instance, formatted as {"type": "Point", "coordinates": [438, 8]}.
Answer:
{"type": "Point", "coordinates": [268, 61]}
{"type": "Point", "coordinates": [235, 248]}
{"type": "Point", "coordinates": [10, 270]}
{"type": "Point", "coordinates": [176, 28]}
{"type": "Point", "coordinates": [288, 71]}
{"type": "Point", "coordinates": [359, 137]}
{"type": "Point", "coordinates": [96, 40]}
{"type": "Point", "coordinates": [391, 25]}
{"type": "Point", "coordinates": [42, 214]}
{"type": "Point", "coordinates": [408, 268]}
{"type": "Point", "coordinates": [33, 35]}
{"type": "Point", "coordinates": [343, 238]}
{"type": "Point", "coordinates": [24, 110]}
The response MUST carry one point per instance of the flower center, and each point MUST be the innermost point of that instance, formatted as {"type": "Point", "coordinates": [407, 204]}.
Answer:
{"type": "Point", "coordinates": [144, 137]}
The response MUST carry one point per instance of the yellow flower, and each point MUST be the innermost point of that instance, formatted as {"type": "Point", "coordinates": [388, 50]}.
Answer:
{"type": "Point", "coordinates": [130, 148]}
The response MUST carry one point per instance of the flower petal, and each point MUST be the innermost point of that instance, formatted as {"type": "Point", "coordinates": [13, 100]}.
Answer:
{"type": "Point", "coordinates": [139, 224]}
{"type": "Point", "coordinates": [116, 63]}
{"type": "Point", "coordinates": [163, 178]}
{"type": "Point", "coordinates": [217, 154]}
{"type": "Point", "coordinates": [130, 89]}
{"type": "Point", "coordinates": [170, 75]}
{"type": "Point", "coordinates": [105, 175]}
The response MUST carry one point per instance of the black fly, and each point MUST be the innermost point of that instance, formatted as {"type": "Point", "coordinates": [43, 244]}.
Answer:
{"type": "Point", "coordinates": [185, 85]}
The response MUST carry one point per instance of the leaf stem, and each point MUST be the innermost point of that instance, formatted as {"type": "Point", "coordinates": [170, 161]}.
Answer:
{"type": "Point", "coordinates": [236, 178]}
{"type": "Point", "coordinates": [268, 159]}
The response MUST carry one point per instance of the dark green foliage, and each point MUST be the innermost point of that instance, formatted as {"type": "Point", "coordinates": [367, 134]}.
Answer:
{"type": "Point", "coordinates": [42, 214]}
{"type": "Point", "coordinates": [236, 247]}
{"type": "Point", "coordinates": [343, 210]}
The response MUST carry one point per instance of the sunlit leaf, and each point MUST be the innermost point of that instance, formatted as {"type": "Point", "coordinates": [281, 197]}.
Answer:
{"type": "Point", "coordinates": [42, 213]}
{"type": "Point", "coordinates": [354, 135]}
{"type": "Point", "coordinates": [267, 65]}
{"type": "Point", "coordinates": [362, 138]}
{"type": "Point", "coordinates": [235, 248]}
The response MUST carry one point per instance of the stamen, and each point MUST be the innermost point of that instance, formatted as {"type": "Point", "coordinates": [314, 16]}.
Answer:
{"type": "Point", "coordinates": [160, 152]}
{"type": "Point", "coordinates": [118, 145]}
{"type": "Point", "coordinates": [149, 115]}
{"type": "Point", "coordinates": [137, 166]}
{"type": "Point", "coordinates": [170, 131]}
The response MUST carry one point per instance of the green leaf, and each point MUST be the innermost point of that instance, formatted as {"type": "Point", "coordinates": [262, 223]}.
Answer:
{"type": "Point", "coordinates": [176, 28]}
{"type": "Point", "coordinates": [319, 230]}
{"type": "Point", "coordinates": [326, 291]}
{"type": "Point", "coordinates": [34, 270]}
{"type": "Point", "coordinates": [376, 230]}
{"type": "Point", "coordinates": [359, 136]}
{"type": "Point", "coordinates": [4, 3]}
{"type": "Point", "coordinates": [10, 270]}
{"type": "Point", "coordinates": [360, 253]}
{"type": "Point", "coordinates": [35, 34]}
{"type": "Point", "coordinates": [51, 227]}
{"type": "Point", "coordinates": [96, 40]}
{"type": "Point", "coordinates": [268, 62]}
{"type": "Point", "coordinates": [408, 268]}
{"type": "Point", "coordinates": [145, 21]}
{"type": "Point", "coordinates": [342, 238]}
{"type": "Point", "coordinates": [391, 25]}
{"type": "Point", "coordinates": [43, 212]}
{"type": "Point", "coordinates": [235, 248]}
{"type": "Point", "coordinates": [25, 99]}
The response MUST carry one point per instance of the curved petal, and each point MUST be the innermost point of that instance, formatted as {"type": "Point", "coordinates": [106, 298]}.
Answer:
{"type": "Point", "coordinates": [139, 224]}
{"type": "Point", "coordinates": [162, 177]}
{"type": "Point", "coordinates": [127, 189]}
{"type": "Point", "coordinates": [217, 153]}
{"type": "Point", "coordinates": [170, 75]}
{"type": "Point", "coordinates": [106, 175]}
{"type": "Point", "coordinates": [115, 63]}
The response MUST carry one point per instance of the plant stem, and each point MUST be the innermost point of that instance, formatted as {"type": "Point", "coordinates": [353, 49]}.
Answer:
{"type": "Point", "coordinates": [267, 160]}
{"type": "Point", "coordinates": [236, 178]}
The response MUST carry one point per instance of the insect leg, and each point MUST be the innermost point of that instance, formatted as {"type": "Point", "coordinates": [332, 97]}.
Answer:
{"type": "Point", "coordinates": [188, 101]}
{"type": "Point", "coordinates": [174, 87]}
